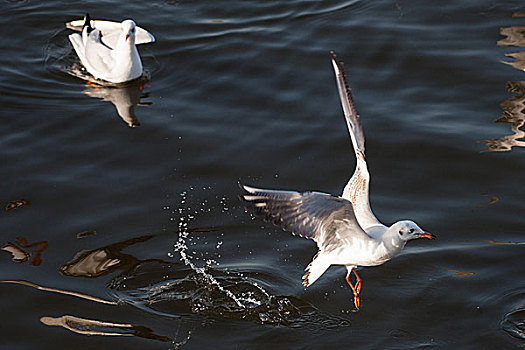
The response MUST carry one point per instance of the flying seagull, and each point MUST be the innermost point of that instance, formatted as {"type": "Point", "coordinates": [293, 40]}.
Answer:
{"type": "Point", "coordinates": [345, 228]}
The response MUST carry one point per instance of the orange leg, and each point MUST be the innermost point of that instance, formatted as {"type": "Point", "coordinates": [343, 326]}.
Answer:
{"type": "Point", "coordinates": [356, 289]}
{"type": "Point", "coordinates": [358, 281]}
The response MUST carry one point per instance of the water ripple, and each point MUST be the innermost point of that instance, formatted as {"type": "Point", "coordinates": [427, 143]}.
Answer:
{"type": "Point", "coordinates": [514, 323]}
{"type": "Point", "coordinates": [175, 289]}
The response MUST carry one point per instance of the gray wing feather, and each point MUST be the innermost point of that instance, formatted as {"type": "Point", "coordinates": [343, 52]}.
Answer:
{"type": "Point", "coordinates": [97, 53]}
{"type": "Point", "coordinates": [345, 94]}
{"type": "Point", "coordinates": [111, 30]}
{"type": "Point", "coordinates": [78, 45]}
{"type": "Point", "coordinates": [328, 220]}
{"type": "Point", "coordinates": [94, 55]}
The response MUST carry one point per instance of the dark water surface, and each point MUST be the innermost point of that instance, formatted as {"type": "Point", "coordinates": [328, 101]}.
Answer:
{"type": "Point", "coordinates": [142, 226]}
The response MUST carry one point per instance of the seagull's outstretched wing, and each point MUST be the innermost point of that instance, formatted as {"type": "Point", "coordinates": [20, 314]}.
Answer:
{"type": "Point", "coordinates": [326, 219]}
{"type": "Point", "coordinates": [347, 102]}
{"type": "Point", "coordinates": [356, 191]}
{"type": "Point", "coordinates": [111, 30]}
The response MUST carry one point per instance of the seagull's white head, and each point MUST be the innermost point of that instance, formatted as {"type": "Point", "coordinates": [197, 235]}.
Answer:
{"type": "Point", "coordinates": [128, 29]}
{"type": "Point", "coordinates": [407, 230]}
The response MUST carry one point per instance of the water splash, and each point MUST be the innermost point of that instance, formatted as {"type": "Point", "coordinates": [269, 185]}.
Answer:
{"type": "Point", "coordinates": [185, 287]}
{"type": "Point", "coordinates": [182, 248]}
{"type": "Point", "coordinates": [177, 289]}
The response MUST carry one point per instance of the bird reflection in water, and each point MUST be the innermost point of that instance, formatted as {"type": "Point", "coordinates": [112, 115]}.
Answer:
{"type": "Point", "coordinates": [124, 98]}
{"type": "Point", "coordinates": [101, 261]}
{"type": "Point", "coordinates": [91, 327]}
{"type": "Point", "coordinates": [92, 263]}
{"type": "Point", "coordinates": [94, 327]}
{"type": "Point", "coordinates": [514, 107]}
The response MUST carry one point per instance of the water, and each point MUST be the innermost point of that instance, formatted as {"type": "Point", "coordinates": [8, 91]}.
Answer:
{"type": "Point", "coordinates": [142, 228]}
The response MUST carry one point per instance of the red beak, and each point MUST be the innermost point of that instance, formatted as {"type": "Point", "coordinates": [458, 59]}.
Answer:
{"type": "Point", "coordinates": [426, 235]}
{"type": "Point", "coordinates": [127, 36]}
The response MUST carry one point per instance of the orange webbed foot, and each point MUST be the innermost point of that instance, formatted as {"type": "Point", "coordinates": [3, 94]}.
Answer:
{"type": "Point", "coordinates": [357, 302]}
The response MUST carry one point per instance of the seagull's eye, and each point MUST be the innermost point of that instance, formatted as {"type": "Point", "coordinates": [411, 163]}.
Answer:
{"type": "Point", "coordinates": [411, 230]}
{"type": "Point", "coordinates": [133, 30]}
{"type": "Point", "coordinates": [401, 232]}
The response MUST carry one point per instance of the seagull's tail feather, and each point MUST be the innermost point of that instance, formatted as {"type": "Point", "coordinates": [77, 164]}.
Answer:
{"type": "Point", "coordinates": [316, 268]}
{"type": "Point", "coordinates": [347, 102]}
{"type": "Point", "coordinates": [87, 23]}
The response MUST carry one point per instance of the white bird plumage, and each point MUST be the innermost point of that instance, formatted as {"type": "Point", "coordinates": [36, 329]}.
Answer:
{"type": "Point", "coordinates": [108, 49]}
{"type": "Point", "coordinates": [345, 228]}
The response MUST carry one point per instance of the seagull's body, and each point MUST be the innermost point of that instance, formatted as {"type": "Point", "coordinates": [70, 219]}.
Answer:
{"type": "Point", "coordinates": [108, 49]}
{"type": "Point", "coordinates": [345, 228]}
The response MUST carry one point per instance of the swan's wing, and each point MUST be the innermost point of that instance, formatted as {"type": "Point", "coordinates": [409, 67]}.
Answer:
{"type": "Point", "coordinates": [356, 191]}
{"type": "Point", "coordinates": [326, 219]}
{"type": "Point", "coordinates": [110, 31]}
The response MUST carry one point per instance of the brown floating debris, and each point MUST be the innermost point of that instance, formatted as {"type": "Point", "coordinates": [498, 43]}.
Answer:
{"type": "Point", "coordinates": [504, 243]}
{"type": "Point", "coordinates": [41, 246]}
{"type": "Point", "coordinates": [86, 233]}
{"type": "Point", "coordinates": [461, 273]}
{"type": "Point", "coordinates": [17, 204]}
{"type": "Point", "coordinates": [492, 200]}
{"type": "Point", "coordinates": [21, 255]}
